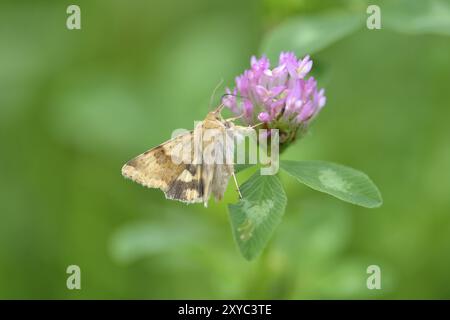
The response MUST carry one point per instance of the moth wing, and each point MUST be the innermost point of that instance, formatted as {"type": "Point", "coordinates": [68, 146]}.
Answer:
{"type": "Point", "coordinates": [212, 143]}
{"type": "Point", "coordinates": [223, 171]}
{"type": "Point", "coordinates": [188, 186]}
{"type": "Point", "coordinates": [156, 167]}
{"type": "Point", "coordinates": [222, 174]}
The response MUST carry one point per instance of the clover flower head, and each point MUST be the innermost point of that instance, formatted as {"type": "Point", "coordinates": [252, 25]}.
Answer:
{"type": "Point", "coordinates": [283, 97]}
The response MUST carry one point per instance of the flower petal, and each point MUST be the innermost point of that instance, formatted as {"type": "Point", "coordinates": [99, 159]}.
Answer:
{"type": "Point", "coordinates": [264, 117]}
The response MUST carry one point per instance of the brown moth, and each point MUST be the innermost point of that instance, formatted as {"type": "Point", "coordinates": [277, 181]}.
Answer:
{"type": "Point", "coordinates": [192, 181]}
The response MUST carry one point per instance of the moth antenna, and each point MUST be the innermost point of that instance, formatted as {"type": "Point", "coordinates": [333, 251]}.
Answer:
{"type": "Point", "coordinates": [235, 118]}
{"type": "Point", "coordinates": [256, 125]}
{"type": "Point", "coordinates": [214, 93]}
{"type": "Point", "coordinates": [222, 104]}
{"type": "Point", "coordinates": [234, 95]}
{"type": "Point", "coordinates": [219, 108]}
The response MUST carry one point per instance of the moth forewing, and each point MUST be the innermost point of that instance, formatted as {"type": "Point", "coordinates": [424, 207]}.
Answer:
{"type": "Point", "coordinates": [182, 151]}
{"type": "Point", "coordinates": [168, 168]}
{"type": "Point", "coordinates": [154, 168]}
{"type": "Point", "coordinates": [222, 175]}
{"type": "Point", "coordinates": [212, 156]}
{"type": "Point", "coordinates": [188, 186]}
{"type": "Point", "coordinates": [191, 166]}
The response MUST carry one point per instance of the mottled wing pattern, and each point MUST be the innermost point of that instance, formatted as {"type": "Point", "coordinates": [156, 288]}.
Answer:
{"type": "Point", "coordinates": [188, 186]}
{"type": "Point", "coordinates": [156, 168]}
{"type": "Point", "coordinates": [181, 180]}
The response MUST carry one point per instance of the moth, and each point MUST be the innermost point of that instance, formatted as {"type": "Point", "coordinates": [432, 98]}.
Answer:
{"type": "Point", "coordinates": [193, 181]}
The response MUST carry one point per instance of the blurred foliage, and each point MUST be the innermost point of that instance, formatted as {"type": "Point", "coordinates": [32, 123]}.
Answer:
{"type": "Point", "coordinates": [309, 34]}
{"type": "Point", "coordinates": [75, 105]}
{"type": "Point", "coordinates": [418, 17]}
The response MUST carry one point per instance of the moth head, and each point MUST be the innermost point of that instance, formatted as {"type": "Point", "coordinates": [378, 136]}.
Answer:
{"type": "Point", "coordinates": [216, 114]}
{"type": "Point", "coordinates": [212, 116]}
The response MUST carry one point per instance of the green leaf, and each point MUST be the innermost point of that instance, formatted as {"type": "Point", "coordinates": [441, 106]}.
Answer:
{"type": "Point", "coordinates": [416, 17]}
{"type": "Point", "coordinates": [341, 182]}
{"type": "Point", "coordinates": [309, 34]}
{"type": "Point", "coordinates": [242, 167]}
{"type": "Point", "coordinates": [254, 218]}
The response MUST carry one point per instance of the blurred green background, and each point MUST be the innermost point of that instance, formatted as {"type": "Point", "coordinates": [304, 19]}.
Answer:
{"type": "Point", "coordinates": [75, 105]}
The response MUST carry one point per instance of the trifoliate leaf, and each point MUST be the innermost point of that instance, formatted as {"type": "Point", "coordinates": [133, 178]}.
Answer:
{"type": "Point", "coordinates": [341, 182]}
{"type": "Point", "coordinates": [254, 218]}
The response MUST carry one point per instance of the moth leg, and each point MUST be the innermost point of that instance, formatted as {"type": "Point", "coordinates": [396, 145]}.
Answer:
{"type": "Point", "coordinates": [234, 118]}
{"type": "Point", "coordinates": [256, 125]}
{"type": "Point", "coordinates": [237, 185]}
